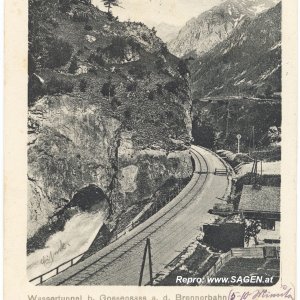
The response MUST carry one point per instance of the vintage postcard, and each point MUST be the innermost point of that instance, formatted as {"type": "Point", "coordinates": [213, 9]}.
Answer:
{"type": "Point", "coordinates": [150, 149]}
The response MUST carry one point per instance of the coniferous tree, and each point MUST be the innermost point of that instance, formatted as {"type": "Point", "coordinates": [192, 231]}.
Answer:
{"type": "Point", "coordinates": [110, 3]}
{"type": "Point", "coordinates": [73, 66]}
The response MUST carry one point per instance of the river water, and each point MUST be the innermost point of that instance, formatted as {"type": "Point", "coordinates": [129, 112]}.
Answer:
{"type": "Point", "coordinates": [78, 234]}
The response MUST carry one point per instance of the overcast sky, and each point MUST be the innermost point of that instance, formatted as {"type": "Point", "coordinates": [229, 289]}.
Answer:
{"type": "Point", "coordinates": [153, 12]}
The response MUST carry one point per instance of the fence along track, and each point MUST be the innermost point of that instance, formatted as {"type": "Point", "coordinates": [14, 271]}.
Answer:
{"type": "Point", "coordinates": [197, 165]}
{"type": "Point", "coordinates": [140, 232]}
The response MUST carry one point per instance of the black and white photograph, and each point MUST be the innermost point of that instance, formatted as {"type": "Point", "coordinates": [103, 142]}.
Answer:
{"type": "Point", "coordinates": [154, 142]}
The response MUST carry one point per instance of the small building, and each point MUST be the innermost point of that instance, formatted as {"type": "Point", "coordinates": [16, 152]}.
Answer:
{"type": "Point", "coordinates": [224, 236]}
{"type": "Point", "coordinates": [262, 203]}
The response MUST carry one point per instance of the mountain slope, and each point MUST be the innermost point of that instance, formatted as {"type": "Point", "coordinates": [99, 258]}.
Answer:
{"type": "Point", "coordinates": [166, 32]}
{"type": "Point", "coordinates": [109, 107]}
{"type": "Point", "coordinates": [248, 62]}
{"type": "Point", "coordinates": [201, 34]}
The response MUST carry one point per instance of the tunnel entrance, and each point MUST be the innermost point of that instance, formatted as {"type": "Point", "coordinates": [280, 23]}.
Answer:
{"type": "Point", "coordinates": [203, 134]}
{"type": "Point", "coordinates": [88, 197]}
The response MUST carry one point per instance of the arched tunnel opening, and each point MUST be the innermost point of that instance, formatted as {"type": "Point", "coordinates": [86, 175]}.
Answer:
{"type": "Point", "coordinates": [89, 197]}
{"type": "Point", "coordinates": [203, 134]}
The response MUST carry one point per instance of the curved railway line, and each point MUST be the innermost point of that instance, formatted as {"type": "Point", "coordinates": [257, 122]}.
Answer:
{"type": "Point", "coordinates": [170, 230]}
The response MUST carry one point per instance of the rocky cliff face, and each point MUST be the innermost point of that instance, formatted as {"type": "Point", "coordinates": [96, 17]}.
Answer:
{"type": "Point", "coordinates": [70, 147]}
{"type": "Point", "coordinates": [201, 34]}
{"type": "Point", "coordinates": [108, 106]}
{"type": "Point", "coordinates": [141, 170]}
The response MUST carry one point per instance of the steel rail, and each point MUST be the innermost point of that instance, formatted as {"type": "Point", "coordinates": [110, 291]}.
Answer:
{"type": "Point", "coordinates": [147, 227]}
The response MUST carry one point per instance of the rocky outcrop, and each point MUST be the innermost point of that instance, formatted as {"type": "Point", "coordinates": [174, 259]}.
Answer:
{"type": "Point", "coordinates": [71, 145]}
{"type": "Point", "coordinates": [112, 113]}
{"type": "Point", "coordinates": [141, 172]}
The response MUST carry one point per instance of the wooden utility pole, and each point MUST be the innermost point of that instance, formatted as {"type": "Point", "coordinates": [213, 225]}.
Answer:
{"type": "Point", "coordinates": [251, 140]}
{"type": "Point", "coordinates": [238, 140]}
{"type": "Point", "coordinates": [255, 172]}
{"type": "Point", "coordinates": [150, 262]}
{"type": "Point", "coordinates": [143, 264]}
{"type": "Point", "coordinates": [147, 249]}
{"type": "Point", "coordinates": [253, 143]}
{"type": "Point", "coordinates": [227, 119]}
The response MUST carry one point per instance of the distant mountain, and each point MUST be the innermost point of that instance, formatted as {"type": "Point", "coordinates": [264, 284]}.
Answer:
{"type": "Point", "coordinates": [167, 32]}
{"type": "Point", "coordinates": [202, 33]}
{"type": "Point", "coordinates": [247, 63]}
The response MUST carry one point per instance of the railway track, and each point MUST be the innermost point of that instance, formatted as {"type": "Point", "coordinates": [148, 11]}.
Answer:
{"type": "Point", "coordinates": [169, 231]}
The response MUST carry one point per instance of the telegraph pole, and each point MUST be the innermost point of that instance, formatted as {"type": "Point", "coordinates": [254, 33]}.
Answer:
{"type": "Point", "coordinates": [238, 138]}
{"type": "Point", "coordinates": [253, 143]}
{"type": "Point", "coordinates": [143, 264]}
{"type": "Point", "coordinates": [147, 249]}
{"type": "Point", "coordinates": [227, 119]}
{"type": "Point", "coordinates": [255, 172]}
{"type": "Point", "coordinates": [150, 262]}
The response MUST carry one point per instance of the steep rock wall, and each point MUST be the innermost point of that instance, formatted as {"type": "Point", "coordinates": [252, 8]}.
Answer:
{"type": "Point", "coordinates": [96, 84]}
{"type": "Point", "coordinates": [142, 171]}
{"type": "Point", "coordinates": [70, 146]}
